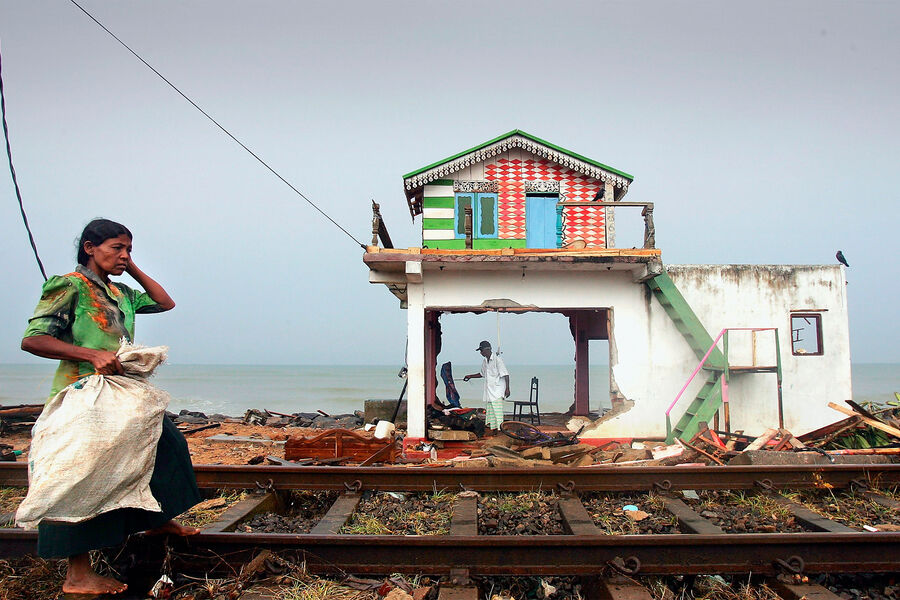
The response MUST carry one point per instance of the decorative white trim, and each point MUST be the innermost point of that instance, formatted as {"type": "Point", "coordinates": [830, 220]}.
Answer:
{"type": "Point", "coordinates": [438, 213]}
{"type": "Point", "coordinates": [516, 141]}
{"type": "Point", "coordinates": [438, 234]}
{"type": "Point", "coordinates": [438, 191]}
{"type": "Point", "coordinates": [476, 186]}
{"type": "Point", "coordinates": [542, 187]}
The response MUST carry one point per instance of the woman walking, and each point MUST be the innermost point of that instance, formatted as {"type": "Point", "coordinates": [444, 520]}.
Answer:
{"type": "Point", "coordinates": [80, 320]}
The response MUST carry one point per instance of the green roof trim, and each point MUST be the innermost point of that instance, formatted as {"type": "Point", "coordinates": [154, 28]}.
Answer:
{"type": "Point", "coordinates": [530, 137]}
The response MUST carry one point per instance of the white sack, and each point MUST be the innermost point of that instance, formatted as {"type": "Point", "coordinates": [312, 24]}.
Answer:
{"type": "Point", "coordinates": [94, 446]}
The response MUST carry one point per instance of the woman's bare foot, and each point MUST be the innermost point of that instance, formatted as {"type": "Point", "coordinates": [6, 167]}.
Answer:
{"type": "Point", "coordinates": [173, 528]}
{"type": "Point", "coordinates": [82, 579]}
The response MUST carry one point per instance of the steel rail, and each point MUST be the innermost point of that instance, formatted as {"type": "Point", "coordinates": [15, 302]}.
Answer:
{"type": "Point", "coordinates": [601, 478]}
{"type": "Point", "coordinates": [768, 553]}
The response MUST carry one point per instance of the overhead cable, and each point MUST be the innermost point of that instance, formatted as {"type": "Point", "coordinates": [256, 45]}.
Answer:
{"type": "Point", "coordinates": [12, 171]}
{"type": "Point", "coordinates": [217, 124]}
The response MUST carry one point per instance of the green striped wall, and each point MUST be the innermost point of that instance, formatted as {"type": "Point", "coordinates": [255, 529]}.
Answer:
{"type": "Point", "coordinates": [438, 232]}
{"type": "Point", "coordinates": [438, 202]}
{"type": "Point", "coordinates": [438, 195]}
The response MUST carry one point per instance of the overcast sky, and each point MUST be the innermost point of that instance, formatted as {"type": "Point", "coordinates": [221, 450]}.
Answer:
{"type": "Point", "coordinates": [765, 132]}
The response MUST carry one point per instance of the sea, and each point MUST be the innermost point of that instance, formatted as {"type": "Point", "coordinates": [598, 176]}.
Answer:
{"type": "Point", "coordinates": [232, 389]}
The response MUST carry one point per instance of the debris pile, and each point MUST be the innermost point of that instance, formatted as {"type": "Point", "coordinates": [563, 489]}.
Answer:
{"type": "Point", "coordinates": [270, 418]}
{"type": "Point", "coordinates": [18, 418]}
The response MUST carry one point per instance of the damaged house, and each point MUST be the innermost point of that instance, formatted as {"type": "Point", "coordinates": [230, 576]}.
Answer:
{"type": "Point", "coordinates": [518, 224]}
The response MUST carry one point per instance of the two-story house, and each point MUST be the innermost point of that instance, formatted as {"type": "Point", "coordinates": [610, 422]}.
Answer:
{"type": "Point", "coordinates": [518, 224]}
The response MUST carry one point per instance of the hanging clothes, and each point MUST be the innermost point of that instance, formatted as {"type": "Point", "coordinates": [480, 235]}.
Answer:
{"type": "Point", "coordinates": [452, 393]}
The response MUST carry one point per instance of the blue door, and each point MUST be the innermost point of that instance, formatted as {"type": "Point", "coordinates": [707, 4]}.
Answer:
{"type": "Point", "coordinates": [540, 221]}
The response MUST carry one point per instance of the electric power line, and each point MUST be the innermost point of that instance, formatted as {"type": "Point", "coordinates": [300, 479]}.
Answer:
{"type": "Point", "coordinates": [217, 124]}
{"type": "Point", "coordinates": [12, 171]}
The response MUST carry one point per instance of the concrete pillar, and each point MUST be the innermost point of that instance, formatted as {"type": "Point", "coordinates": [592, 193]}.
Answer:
{"type": "Point", "coordinates": [415, 359]}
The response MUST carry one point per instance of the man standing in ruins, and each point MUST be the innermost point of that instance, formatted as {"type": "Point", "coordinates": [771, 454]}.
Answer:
{"type": "Point", "coordinates": [496, 385]}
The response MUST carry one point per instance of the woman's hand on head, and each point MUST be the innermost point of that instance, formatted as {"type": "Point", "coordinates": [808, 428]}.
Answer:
{"type": "Point", "coordinates": [106, 363]}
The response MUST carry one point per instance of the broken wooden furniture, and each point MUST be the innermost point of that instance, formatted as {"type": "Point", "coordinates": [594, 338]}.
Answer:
{"type": "Point", "coordinates": [340, 443]}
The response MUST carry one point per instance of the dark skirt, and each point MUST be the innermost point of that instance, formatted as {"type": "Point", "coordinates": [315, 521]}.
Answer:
{"type": "Point", "coordinates": [173, 485]}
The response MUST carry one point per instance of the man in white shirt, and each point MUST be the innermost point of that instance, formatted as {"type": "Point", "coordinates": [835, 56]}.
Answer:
{"type": "Point", "coordinates": [496, 385]}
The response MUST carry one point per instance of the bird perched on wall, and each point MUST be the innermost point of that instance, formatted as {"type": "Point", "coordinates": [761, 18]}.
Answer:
{"type": "Point", "coordinates": [841, 259]}
{"type": "Point", "coordinates": [598, 197]}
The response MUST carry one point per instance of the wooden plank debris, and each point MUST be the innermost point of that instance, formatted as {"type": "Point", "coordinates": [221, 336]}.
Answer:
{"type": "Point", "coordinates": [762, 440]}
{"type": "Point", "coordinates": [873, 422]}
{"type": "Point", "coordinates": [21, 410]}
{"type": "Point", "coordinates": [337, 443]}
{"type": "Point", "coordinates": [383, 455]}
{"type": "Point", "coordinates": [201, 428]}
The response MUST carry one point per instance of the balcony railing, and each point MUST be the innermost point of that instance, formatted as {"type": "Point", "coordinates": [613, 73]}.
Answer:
{"type": "Point", "coordinates": [646, 212]}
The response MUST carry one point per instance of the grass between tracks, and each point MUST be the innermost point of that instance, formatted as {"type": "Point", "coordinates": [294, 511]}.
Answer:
{"type": "Point", "coordinates": [708, 588]}
{"type": "Point", "coordinates": [10, 498]}
{"type": "Point", "coordinates": [759, 504]}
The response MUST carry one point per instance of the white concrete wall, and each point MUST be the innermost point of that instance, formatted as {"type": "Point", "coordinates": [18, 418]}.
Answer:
{"type": "Point", "coordinates": [653, 359]}
{"type": "Point", "coordinates": [764, 296]}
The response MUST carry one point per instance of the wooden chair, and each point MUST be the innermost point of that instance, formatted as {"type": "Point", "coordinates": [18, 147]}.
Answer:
{"type": "Point", "coordinates": [534, 413]}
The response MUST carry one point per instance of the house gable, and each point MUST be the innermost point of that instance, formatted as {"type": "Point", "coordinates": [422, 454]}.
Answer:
{"type": "Point", "coordinates": [524, 192]}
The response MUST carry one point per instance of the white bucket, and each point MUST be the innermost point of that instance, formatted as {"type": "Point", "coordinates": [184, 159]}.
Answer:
{"type": "Point", "coordinates": [384, 429]}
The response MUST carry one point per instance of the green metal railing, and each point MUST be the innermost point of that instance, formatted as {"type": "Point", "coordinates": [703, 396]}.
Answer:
{"type": "Point", "coordinates": [726, 375]}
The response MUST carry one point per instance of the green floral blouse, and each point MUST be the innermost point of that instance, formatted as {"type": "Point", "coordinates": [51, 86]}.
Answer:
{"type": "Point", "coordinates": [80, 309]}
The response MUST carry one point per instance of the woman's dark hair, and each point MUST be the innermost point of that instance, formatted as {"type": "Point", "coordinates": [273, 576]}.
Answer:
{"type": "Point", "coordinates": [97, 232]}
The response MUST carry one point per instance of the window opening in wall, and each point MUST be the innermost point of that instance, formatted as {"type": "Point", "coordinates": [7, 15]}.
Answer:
{"type": "Point", "coordinates": [484, 215]}
{"type": "Point", "coordinates": [806, 334]}
{"type": "Point", "coordinates": [533, 344]}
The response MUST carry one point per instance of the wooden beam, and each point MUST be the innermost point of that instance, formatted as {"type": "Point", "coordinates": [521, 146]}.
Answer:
{"type": "Point", "coordinates": [614, 204]}
{"type": "Point", "coordinates": [762, 440]}
{"type": "Point", "coordinates": [873, 422]}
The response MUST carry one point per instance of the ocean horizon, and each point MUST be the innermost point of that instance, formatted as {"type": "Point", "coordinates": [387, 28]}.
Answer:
{"type": "Point", "coordinates": [336, 389]}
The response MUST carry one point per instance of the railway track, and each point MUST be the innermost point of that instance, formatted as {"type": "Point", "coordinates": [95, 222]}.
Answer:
{"type": "Point", "coordinates": [700, 547]}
